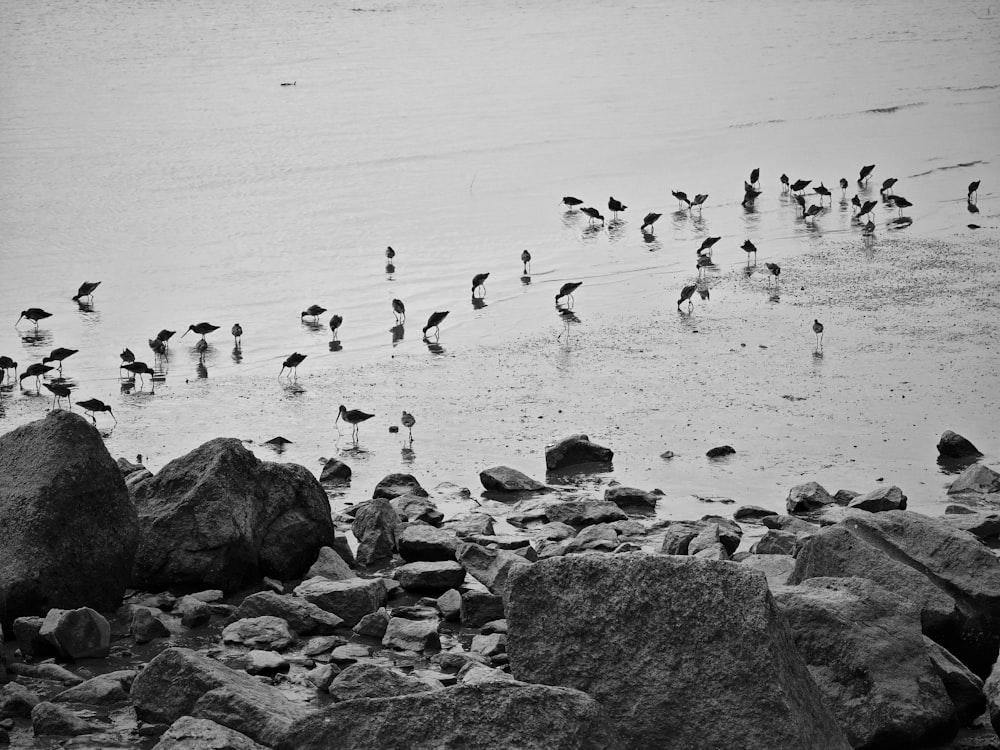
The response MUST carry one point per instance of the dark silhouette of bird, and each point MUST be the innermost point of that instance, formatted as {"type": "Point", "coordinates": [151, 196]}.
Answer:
{"type": "Point", "coordinates": [35, 371]}
{"type": "Point", "coordinates": [900, 202]}
{"type": "Point", "coordinates": [699, 200]}
{"type": "Point", "coordinates": [801, 201]}
{"type": "Point", "coordinates": [34, 314]}
{"type": "Point", "coordinates": [399, 309]}
{"type": "Point", "coordinates": [289, 83]}
{"type": "Point", "coordinates": [754, 175]}
{"type": "Point", "coordinates": [750, 194]}
{"type": "Point", "coordinates": [686, 294]}
{"type": "Point", "coordinates": [165, 335]}
{"type": "Point", "coordinates": [749, 247]}
{"type": "Point", "coordinates": [868, 230]}
{"type": "Point", "coordinates": [784, 183]}
{"type": "Point", "coordinates": [774, 270]}
{"type": "Point", "coordinates": [200, 328]}
{"type": "Point", "coordinates": [615, 207]}
{"type": "Point", "coordinates": [86, 290]}
{"type": "Point", "coordinates": [139, 368]}
{"type": "Point", "coordinates": [59, 392]}
{"type": "Point", "coordinates": [818, 330]}
{"type": "Point", "coordinates": [707, 244]}
{"type": "Point", "coordinates": [94, 405]}
{"type": "Point", "coordinates": [973, 189]}
{"type": "Point", "coordinates": [6, 363]}
{"type": "Point", "coordinates": [812, 211]}
{"type": "Point", "coordinates": [593, 213]}
{"type": "Point", "coordinates": [292, 364]}
{"type": "Point", "coordinates": [650, 219]}
{"type": "Point", "coordinates": [157, 346]}
{"type": "Point", "coordinates": [58, 355]}
{"type": "Point", "coordinates": [865, 173]}
{"type": "Point", "coordinates": [390, 253]}
{"type": "Point", "coordinates": [856, 202]}
{"type": "Point", "coordinates": [479, 281]}
{"type": "Point", "coordinates": [237, 331]}
{"type": "Point", "coordinates": [887, 185]}
{"type": "Point", "coordinates": [800, 185]}
{"type": "Point", "coordinates": [681, 197]}
{"type": "Point", "coordinates": [335, 323]}
{"type": "Point", "coordinates": [313, 311]}
{"type": "Point", "coordinates": [126, 357]}
{"type": "Point", "coordinates": [201, 347]}
{"type": "Point", "coordinates": [525, 259]}
{"type": "Point", "coordinates": [567, 289]}
{"type": "Point", "coordinates": [823, 192]}
{"type": "Point", "coordinates": [353, 417]}
{"type": "Point", "coordinates": [702, 263]}
{"type": "Point", "coordinates": [570, 201]}
{"type": "Point", "coordinates": [843, 186]}
{"type": "Point", "coordinates": [408, 422]}
{"type": "Point", "coordinates": [866, 208]}
{"type": "Point", "coordinates": [434, 321]}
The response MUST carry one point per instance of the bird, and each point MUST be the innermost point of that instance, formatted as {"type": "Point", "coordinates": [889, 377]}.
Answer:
{"type": "Point", "coordinates": [434, 321]}
{"type": "Point", "coordinates": [140, 369]}
{"type": "Point", "coordinates": [58, 355]}
{"type": "Point", "coordinates": [856, 202]}
{"type": "Point", "coordinates": [615, 206]}
{"type": "Point", "coordinates": [973, 188]}
{"type": "Point", "coordinates": [164, 335]}
{"type": "Point", "coordinates": [200, 328]}
{"type": "Point", "coordinates": [570, 201]}
{"type": "Point", "coordinates": [704, 261]}
{"type": "Point", "coordinates": [749, 247]}
{"type": "Point", "coordinates": [390, 253]}
{"type": "Point", "coordinates": [865, 173]}
{"type": "Point", "coordinates": [408, 422]}
{"type": "Point", "coordinates": [812, 211]}
{"type": "Point", "coordinates": [126, 356]}
{"type": "Point", "coordinates": [292, 363]}
{"type": "Point", "coordinates": [686, 294]}
{"type": "Point", "coordinates": [818, 330]}
{"type": "Point", "coordinates": [35, 371]}
{"type": "Point", "coordinates": [593, 213]}
{"type": "Point", "coordinates": [843, 186]}
{"type": "Point", "coordinates": [93, 405]}
{"type": "Point", "coordinates": [158, 347]}
{"type": "Point", "coordinates": [86, 290]}
{"type": "Point", "coordinates": [479, 280]}
{"type": "Point", "coordinates": [707, 244]}
{"type": "Point", "coordinates": [400, 310]}
{"type": "Point", "coordinates": [681, 197]}
{"type": "Point", "coordinates": [800, 185]}
{"type": "Point", "coordinates": [887, 185]}
{"type": "Point", "coordinates": [900, 202]}
{"type": "Point", "coordinates": [869, 229]}
{"type": "Point", "coordinates": [335, 322]}
{"type": "Point", "coordinates": [34, 314]}
{"type": "Point", "coordinates": [525, 259]}
{"type": "Point", "coordinates": [801, 201]}
{"type": "Point", "coordinates": [353, 417]}
{"type": "Point", "coordinates": [784, 182]}
{"type": "Point", "coordinates": [313, 311]}
{"type": "Point", "coordinates": [700, 199]}
{"type": "Point", "coordinates": [237, 331]}
{"type": "Point", "coordinates": [649, 220]}
{"type": "Point", "coordinates": [567, 289]}
{"type": "Point", "coordinates": [289, 83]}
{"type": "Point", "coordinates": [6, 363]}
{"type": "Point", "coordinates": [823, 192]}
{"type": "Point", "coordinates": [59, 391]}
{"type": "Point", "coordinates": [774, 269]}
{"type": "Point", "coordinates": [750, 194]}
{"type": "Point", "coordinates": [754, 175]}
{"type": "Point", "coordinates": [866, 208]}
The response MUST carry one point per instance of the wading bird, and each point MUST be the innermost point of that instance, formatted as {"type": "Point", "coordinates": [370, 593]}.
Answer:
{"type": "Point", "coordinates": [700, 199]}
{"type": "Point", "coordinates": [200, 328]}
{"type": "Point", "coordinates": [58, 355]}
{"type": "Point", "coordinates": [390, 253]}
{"type": "Point", "coordinates": [973, 190]}
{"type": "Point", "coordinates": [59, 392]}
{"type": "Point", "coordinates": [818, 330]}
{"type": "Point", "coordinates": [754, 175]}
{"type": "Point", "coordinates": [784, 183]}
{"type": "Point", "coordinates": [434, 321]}
{"type": "Point", "coordinates": [313, 311]}
{"type": "Point", "coordinates": [237, 331]}
{"type": "Point", "coordinates": [686, 294]}
{"type": "Point", "coordinates": [800, 185]}
{"type": "Point", "coordinates": [866, 208]}
{"type": "Point", "coordinates": [750, 194]}
{"type": "Point", "coordinates": [749, 247]}
{"type": "Point", "coordinates": [868, 230]}
{"type": "Point", "coordinates": [843, 187]}
{"type": "Point", "coordinates": [335, 323]}
{"type": "Point", "coordinates": [157, 346]}
{"type": "Point", "coordinates": [571, 202]}
{"type": "Point", "coordinates": [900, 202]}
{"type": "Point", "coordinates": [823, 192]}
{"type": "Point", "coordinates": [525, 259]}
{"type": "Point", "coordinates": [865, 173]}
{"type": "Point", "coordinates": [479, 281]}
{"type": "Point", "coordinates": [126, 356]}
{"type": "Point", "coordinates": [141, 369]}
{"type": "Point", "coordinates": [856, 203]}
{"type": "Point", "coordinates": [648, 221]}
{"type": "Point", "coordinates": [681, 197]}
{"type": "Point", "coordinates": [812, 211]}
{"type": "Point", "coordinates": [399, 309]}
{"type": "Point", "coordinates": [615, 206]}
{"type": "Point", "coordinates": [702, 263]}
{"type": "Point", "coordinates": [408, 422]}
{"type": "Point", "coordinates": [593, 213]}
{"type": "Point", "coordinates": [707, 244]}
{"type": "Point", "coordinates": [93, 405]}
{"type": "Point", "coordinates": [887, 185]}
{"type": "Point", "coordinates": [292, 364]}
{"type": "Point", "coordinates": [353, 417]}
{"type": "Point", "coordinates": [34, 371]}
{"type": "Point", "coordinates": [6, 363]}
{"type": "Point", "coordinates": [774, 270]}
{"type": "Point", "coordinates": [34, 314]}
{"type": "Point", "coordinates": [567, 289]}
{"type": "Point", "coordinates": [86, 290]}
{"type": "Point", "coordinates": [165, 335]}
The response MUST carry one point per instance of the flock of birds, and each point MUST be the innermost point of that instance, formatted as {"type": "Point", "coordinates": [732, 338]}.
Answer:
{"type": "Point", "coordinates": [61, 389]}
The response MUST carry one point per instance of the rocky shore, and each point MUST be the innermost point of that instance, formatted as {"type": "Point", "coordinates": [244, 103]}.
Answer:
{"type": "Point", "coordinates": [222, 603]}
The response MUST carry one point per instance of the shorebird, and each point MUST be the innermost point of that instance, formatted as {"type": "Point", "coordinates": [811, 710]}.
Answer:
{"type": "Point", "coordinates": [823, 192]}
{"type": "Point", "coordinates": [400, 310]}
{"type": "Point", "coordinates": [593, 213]}
{"type": "Point", "coordinates": [800, 185]}
{"type": "Point", "coordinates": [59, 391]}
{"type": "Point", "coordinates": [707, 244]}
{"type": "Point", "coordinates": [973, 188]}
{"type": "Point", "coordinates": [157, 346]}
{"type": "Point", "coordinates": [408, 422]}
{"type": "Point", "coordinates": [165, 335]}
{"type": "Point", "coordinates": [887, 186]}
{"type": "Point", "coordinates": [313, 311]}
{"type": "Point", "coordinates": [58, 355]}
{"type": "Point", "coordinates": [900, 202]}
{"type": "Point", "coordinates": [843, 187]}
{"type": "Point", "coordinates": [292, 363]}
{"type": "Point", "coordinates": [93, 405]}
{"type": "Point", "coordinates": [200, 328]}
{"type": "Point", "coordinates": [818, 330]}
{"type": "Point", "coordinates": [856, 203]}
{"type": "Point", "coordinates": [784, 182]}
{"type": "Point", "coordinates": [801, 201]}
{"type": "Point", "coordinates": [869, 229]}
{"type": "Point", "coordinates": [700, 199]}
{"type": "Point", "coordinates": [35, 371]}
{"type": "Point", "coordinates": [353, 417]}
{"type": "Point", "coordinates": [703, 262]}
{"type": "Point", "coordinates": [615, 206]}
{"type": "Point", "coordinates": [749, 247]}
{"type": "Point", "coordinates": [126, 356]}
{"type": "Point", "coordinates": [774, 269]}
{"type": "Point", "coordinates": [237, 331]}
{"type": "Point", "coordinates": [812, 211]}
{"type": "Point", "coordinates": [6, 363]}
{"type": "Point", "coordinates": [140, 369]}
{"type": "Point", "coordinates": [525, 259]}
{"type": "Point", "coordinates": [335, 322]}
{"type": "Point", "coordinates": [434, 321]}
{"type": "Point", "coordinates": [479, 280]}
{"type": "Point", "coordinates": [649, 220]}
{"type": "Point", "coordinates": [570, 201]}
{"type": "Point", "coordinates": [686, 294]}
{"type": "Point", "coordinates": [289, 83]}
{"type": "Point", "coordinates": [34, 314]}
{"type": "Point", "coordinates": [865, 173]}
{"type": "Point", "coordinates": [567, 289]}
{"type": "Point", "coordinates": [681, 197]}
{"type": "Point", "coordinates": [750, 194]}
{"type": "Point", "coordinates": [866, 208]}
{"type": "Point", "coordinates": [390, 253]}
{"type": "Point", "coordinates": [754, 175]}
{"type": "Point", "coordinates": [86, 290]}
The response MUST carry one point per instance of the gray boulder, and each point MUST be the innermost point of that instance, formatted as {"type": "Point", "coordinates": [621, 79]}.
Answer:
{"type": "Point", "coordinates": [434, 577]}
{"type": "Point", "coordinates": [330, 564]}
{"type": "Point", "coordinates": [16, 701]}
{"type": "Point", "coordinates": [777, 568]}
{"type": "Point", "coordinates": [776, 543]}
{"type": "Point", "coordinates": [189, 733]}
{"type": "Point", "coordinates": [752, 513]}
{"type": "Point", "coordinates": [146, 625]}
{"type": "Point", "coordinates": [964, 688]}
{"type": "Point", "coordinates": [335, 470]}
{"type": "Point", "coordinates": [953, 445]}
{"type": "Point", "coordinates": [576, 449]}
{"type": "Point", "coordinates": [77, 633]}
{"type": "Point", "coordinates": [678, 535]}
{"type": "Point", "coordinates": [264, 632]}
{"type": "Point", "coordinates": [105, 689]}
{"type": "Point", "coordinates": [506, 479]}
{"type": "Point", "coordinates": [879, 500]}
{"type": "Point", "coordinates": [50, 470]}
{"type": "Point", "coordinates": [782, 522]}
{"type": "Point", "coordinates": [479, 607]}
{"type": "Point", "coordinates": [630, 497]}
{"type": "Point", "coordinates": [51, 718]}
{"type": "Point", "coordinates": [467, 524]}
{"type": "Point", "coordinates": [976, 480]}
{"type": "Point", "coordinates": [302, 616]}
{"type": "Point", "coordinates": [490, 567]}
{"type": "Point", "coordinates": [601, 537]}
{"type": "Point", "coordinates": [412, 635]}
{"type": "Point", "coordinates": [374, 624]}
{"type": "Point", "coordinates": [668, 646]}
{"type": "Point", "coordinates": [983, 526]}
{"type": "Point", "coordinates": [193, 612]}
{"type": "Point", "coordinates": [810, 496]}
{"type": "Point", "coordinates": [219, 517]}
{"type": "Point", "coordinates": [265, 662]}
{"type": "Point", "coordinates": [373, 681]}
{"type": "Point", "coordinates": [394, 485]}
{"type": "Point", "coordinates": [350, 600]}
{"type": "Point", "coordinates": [374, 527]}
{"type": "Point", "coordinates": [417, 508]}
{"type": "Point", "coordinates": [419, 541]}
{"type": "Point", "coordinates": [991, 687]}
{"type": "Point", "coordinates": [584, 512]}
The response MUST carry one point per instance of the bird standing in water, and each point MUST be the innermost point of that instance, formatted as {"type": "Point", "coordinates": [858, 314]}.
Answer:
{"type": "Point", "coordinates": [165, 335]}
{"type": "Point", "coordinates": [313, 311]}
{"type": "Point", "coordinates": [353, 417]}
{"type": "Point", "coordinates": [818, 330]}
{"type": "Point", "coordinates": [200, 328]}
{"type": "Point", "coordinates": [126, 356]}
{"type": "Point", "coordinates": [567, 289]}
{"type": "Point", "coordinates": [900, 202]}
{"type": "Point", "coordinates": [35, 371]}
{"type": "Point", "coordinates": [6, 363]}
{"type": "Point", "coordinates": [707, 245]}
{"type": "Point", "coordinates": [479, 281]}
{"type": "Point", "coordinates": [400, 310]}
{"type": "Point", "coordinates": [593, 213]}
{"type": "Point", "coordinates": [58, 355]}
{"type": "Point", "coordinates": [812, 211]}
{"type": "Point", "coordinates": [86, 290]}
{"type": "Point", "coordinates": [408, 422]}
{"type": "Point", "coordinates": [774, 269]}
{"type": "Point", "coordinates": [615, 206]}
{"type": "Point", "coordinates": [34, 314]}
{"type": "Point", "coordinates": [681, 197]}
{"type": "Point", "coordinates": [702, 263]}
{"type": "Point", "coordinates": [237, 332]}
{"type": "Point", "coordinates": [887, 186]}
{"type": "Point", "coordinates": [866, 209]}
{"type": "Point", "coordinates": [525, 259]}
{"type": "Point", "coordinates": [390, 253]}
{"type": "Point", "coordinates": [571, 202]}
{"type": "Point", "coordinates": [93, 405]}
{"type": "Point", "coordinates": [158, 347]}
{"type": "Point", "coordinates": [973, 190]}
{"type": "Point", "coordinates": [823, 192]}
{"type": "Point", "coordinates": [800, 185]}
{"type": "Point", "coordinates": [141, 369]}
{"type": "Point", "coordinates": [292, 364]}
{"type": "Point", "coordinates": [784, 182]}
{"type": "Point", "coordinates": [59, 392]}
{"type": "Point", "coordinates": [749, 247]}
{"type": "Point", "coordinates": [700, 199]}
{"type": "Point", "coordinates": [335, 323]}
{"type": "Point", "coordinates": [434, 321]}
{"type": "Point", "coordinates": [843, 188]}
{"type": "Point", "coordinates": [686, 294]}
{"type": "Point", "coordinates": [649, 220]}
{"type": "Point", "coordinates": [754, 175]}
{"type": "Point", "coordinates": [865, 173]}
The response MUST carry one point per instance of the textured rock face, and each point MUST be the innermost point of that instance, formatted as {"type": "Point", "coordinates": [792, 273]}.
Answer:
{"type": "Point", "coordinates": [303, 617]}
{"type": "Point", "coordinates": [576, 449]}
{"type": "Point", "coordinates": [490, 567]}
{"type": "Point", "coordinates": [882, 499]}
{"type": "Point", "coordinates": [350, 600]}
{"type": "Point", "coordinates": [668, 645]}
{"type": "Point", "coordinates": [806, 497]}
{"type": "Point", "coordinates": [375, 529]}
{"type": "Point", "coordinates": [506, 479]}
{"type": "Point", "coordinates": [67, 526]}
{"type": "Point", "coordinates": [394, 485]}
{"type": "Point", "coordinates": [373, 681]}
{"type": "Point", "coordinates": [953, 445]}
{"type": "Point", "coordinates": [77, 633]}
{"type": "Point", "coordinates": [188, 733]}
{"type": "Point", "coordinates": [219, 517]}
{"type": "Point", "coordinates": [486, 716]}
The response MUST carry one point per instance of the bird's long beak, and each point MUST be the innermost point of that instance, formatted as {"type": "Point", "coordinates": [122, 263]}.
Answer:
{"type": "Point", "coordinates": [113, 416]}
{"type": "Point", "coordinates": [185, 333]}
{"type": "Point", "coordinates": [337, 419]}
{"type": "Point", "coordinates": [18, 320]}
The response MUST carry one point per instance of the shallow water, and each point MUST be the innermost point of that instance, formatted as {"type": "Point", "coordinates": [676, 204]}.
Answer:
{"type": "Point", "coordinates": [150, 146]}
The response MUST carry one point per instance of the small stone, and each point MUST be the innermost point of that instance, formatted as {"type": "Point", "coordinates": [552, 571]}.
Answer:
{"type": "Point", "coordinates": [411, 635]}
{"type": "Point", "coordinates": [335, 470]}
{"type": "Point", "coordinates": [721, 450]}
{"type": "Point", "coordinates": [506, 479]}
{"type": "Point", "coordinates": [266, 663]}
{"type": "Point", "coordinates": [374, 624]}
{"type": "Point", "coordinates": [193, 612]}
{"type": "Point", "coordinates": [265, 632]}
{"type": "Point", "coordinates": [953, 445]}
{"type": "Point", "coordinates": [146, 626]}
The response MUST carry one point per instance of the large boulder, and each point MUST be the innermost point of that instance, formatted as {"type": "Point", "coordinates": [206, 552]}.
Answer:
{"type": "Point", "coordinates": [265, 632]}
{"type": "Point", "coordinates": [219, 517]}
{"type": "Point", "coordinates": [807, 497]}
{"type": "Point", "coordinates": [350, 600]}
{"type": "Point", "coordinates": [395, 485]}
{"type": "Point", "coordinates": [330, 564]}
{"type": "Point", "coordinates": [188, 733]}
{"type": "Point", "coordinates": [976, 480]}
{"type": "Point", "coordinates": [430, 577]}
{"type": "Point", "coordinates": [953, 445]}
{"type": "Point", "coordinates": [303, 617]}
{"type": "Point", "coordinates": [489, 566]}
{"type": "Point", "coordinates": [879, 500]}
{"type": "Point", "coordinates": [51, 718]}
{"type": "Point", "coordinates": [417, 508]}
{"type": "Point", "coordinates": [576, 449]}
{"type": "Point", "coordinates": [418, 541]}
{"type": "Point", "coordinates": [374, 527]}
{"type": "Point", "coordinates": [964, 688]}
{"type": "Point", "coordinates": [668, 645]}
{"type": "Point", "coordinates": [991, 687]}
{"type": "Point", "coordinates": [952, 577]}
{"type": "Point", "coordinates": [373, 681]}
{"type": "Point", "coordinates": [67, 526]}
{"type": "Point", "coordinates": [506, 479]}
{"type": "Point", "coordinates": [864, 648]}
{"type": "Point", "coordinates": [77, 633]}
{"type": "Point", "coordinates": [483, 716]}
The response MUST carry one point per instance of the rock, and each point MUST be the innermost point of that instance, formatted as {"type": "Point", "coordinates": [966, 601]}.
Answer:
{"type": "Point", "coordinates": [864, 648]}
{"type": "Point", "coordinates": [193, 612]}
{"type": "Point", "coordinates": [16, 701]}
{"type": "Point", "coordinates": [489, 567]}
{"type": "Point", "coordinates": [266, 663]}
{"type": "Point", "coordinates": [470, 523]}
{"type": "Point", "coordinates": [277, 586]}
{"type": "Point", "coordinates": [219, 517]}
{"type": "Point", "coordinates": [977, 480]}
{"type": "Point", "coordinates": [342, 548]}
{"type": "Point", "coordinates": [430, 577]}
{"type": "Point", "coordinates": [879, 500]}
{"type": "Point", "coordinates": [77, 633]}
{"type": "Point", "coordinates": [51, 718]}
{"type": "Point", "coordinates": [418, 541]}
{"type": "Point", "coordinates": [146, 626]}
{"type": "Point", "coordinates": [411, 635]}
{"type": "Point", "coordinates": [336, 471]}
{"type": "Point", "coordinates": [720, 451]}
{"type": "Point", "coordinates": [797, 526]}
{"type": "Point", "coordinates": [302, 616]}
{"type": "Point", "coordinates": [350, 600]}
{"type": "Point", "coordinates": [373, 625]}
{"type": "Point", "coordinates": [480, 607]}
{"type": "Point", "coordinates": [265, 632]}
{"type": "Point", "coordinates": [506, 479]}
{"type": "Point", "coordinates": [31, 644]}
{"type": "Point", "coordinates": [188, 733]}
{"type": "Point", "coordinates": [373, 681]}
{"type": "Point", "coordinates": [417, 508]}
{"type": "Point", "coordinates": [556, 531]}
{"type": "Point", "coordinates": [708, 541]}
{"type": "Point", "coordinates": [704, 639]}
{"type": "Point", "coordinates": [601, 537]}
{"type": "Point", "coordinates": [489, 645]}
{"type": "Point", "coordinates": [476, 717]}
{"type": "Point", "coordinates": [983, 526]}
{"type": "Point", "coordinates": [678, 536]}
{"type": "Point", "coordinates": [126, 467]}
{"type": "Point", "coordinates": [349, 653]}
{"type": "Point", "coordinates": [630, 497]}
{"type": "Point", "coordinates": [949, 574]}
{"type": "Point", "coordinates": [777, 568]}
{"type": "Point", "coordinates": [478, 674]}
{"type": "Point", "coordinates": [394, 485]}
{"type": "Point", "coordinates": [843, 497]}
{"type": "Point", "coordinates": [751, 513]}
{"type": "Point", "coordinates": [576, 449]}
{"type": "Point", "coordinates": [322, 644]}
{"type": "Point", "coordinates": [45, 671]}
{"type": "Point", "coordinates": [105, 689]}
{"type": "Point", "coordinates": [810, 496]}
{"type": "Point", "coordinates": [953, 445]}
{"type": "Point", "coordinates": [330, 564]}
{"type": "Point", "coordinates": [776, 543]}
{"type": "Point", "coordinates": [584, 512]}
{"type": "Point", "coordinates": [454, 661]}
{"type": "Point", "coordinates": [209, 596]}
{"type": "Point", "coordinates": [322, 675]}
{"type": "Point", "coordinates": [375, 529]}
{"type": "Point", "coordinates": [964, 688]}
{"type": "Point", "coordinates": [449, 604]}
{"type": "Point", "coordinates": [730, 533]}
{"type": "Point", "coordinates": [50, 469]}
{"type": "Point", "coordinates": [991, 688]}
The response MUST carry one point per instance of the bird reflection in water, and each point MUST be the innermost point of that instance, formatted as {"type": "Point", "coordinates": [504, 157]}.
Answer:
{"type": "Point", "coordinates": [201, 370]}
{"type": "Point", "coordinates": [569, 318]}
{"type": "Point", "coordinates": [652, 244]}
{"type": "Point", "coordinates": [478, 303]}
{"type": "Point", "coordinates": [616, 229]}
{"type": "Point", "coordinates": [292, 388]}
{"type": "Point", "coordinates": [525, 280]}
{"type": "Point", "coordinates": [390, 269]}
{"type": "Point", "coordinates": [278, 444]}
{"type": "Point", "coordinates": [901, 222]}
{"type": "Point", "coordinates": [336, 346]}
{"type": "Point", "coordinates": [397, 334]}
{"type": "Point", "coordinates": [434, 347]}
{"type": "Point", "coordinates": [972, 208]}
{"type": "Point", "coordinates": [39, 337]}
{"type": "Point", "coordinates": [237, 354]}
{"type": "Point", "coordinates": [407, 454]}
